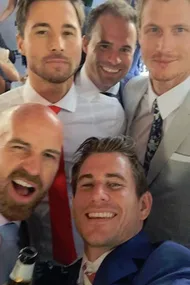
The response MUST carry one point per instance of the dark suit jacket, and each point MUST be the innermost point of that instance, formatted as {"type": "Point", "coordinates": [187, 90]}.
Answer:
{"type": "Point", "coordinates": [135, 262]}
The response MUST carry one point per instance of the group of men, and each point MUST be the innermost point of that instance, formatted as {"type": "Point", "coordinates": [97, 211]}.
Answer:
{"type": "Point", "coordinates": [111, 200]}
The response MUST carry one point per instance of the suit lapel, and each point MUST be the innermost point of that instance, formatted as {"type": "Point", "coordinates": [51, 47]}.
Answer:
{"type": "Point", "coordinates": [122, 261]}
{"type": "Point", "coordinates": [132, 95]}
{"type": "Point", "coordinates": [175, 135]}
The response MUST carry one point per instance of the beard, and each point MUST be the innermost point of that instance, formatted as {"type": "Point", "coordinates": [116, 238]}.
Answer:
{"type": "Point", "coordinates": [55, 75]}
{"type": "Point", "coordinates": [17, 211]}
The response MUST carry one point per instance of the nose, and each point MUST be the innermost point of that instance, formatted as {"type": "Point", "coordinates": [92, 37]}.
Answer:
{"type": "Point", "coordinates": [99, 194]}
{"type": "Point", "coordinates": [114, 57]}
{"type": "Point", "coordinates": [32, 164]}
{"type": "Point", "coordinates": [165, 42]}
{"type": "Point", "coordinates": [57, 43]}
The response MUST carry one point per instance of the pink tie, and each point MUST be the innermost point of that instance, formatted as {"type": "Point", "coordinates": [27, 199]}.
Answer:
{"type": "Point", "coordinates": [89, 275]}
{"type": "Point", "coordinates": [62, 237]}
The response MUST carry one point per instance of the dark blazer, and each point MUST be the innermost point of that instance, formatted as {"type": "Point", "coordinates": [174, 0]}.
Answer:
{"type": "Point", "coordinates": [135, 262]}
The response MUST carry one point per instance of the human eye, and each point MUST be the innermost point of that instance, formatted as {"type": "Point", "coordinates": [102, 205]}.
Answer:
{"type": "Point", "coordinates": [114, 185]}
{"type": "Point", "coordinates": [179, 29]}
{"type": "Point", "coordinates": [152, 30]}
{"type": "Point", "coordinates": [68, 33]}
{"type": "Point", "coordinates": [41, 32]}
{"type": "Point", "coordinates": [126, 49]}
{"type": "Point", "coordinates": [104, 46]}
{"type": "Point", "coordinates": [18, 147]}
{"type": "Point", "coordinates": [49, 155]}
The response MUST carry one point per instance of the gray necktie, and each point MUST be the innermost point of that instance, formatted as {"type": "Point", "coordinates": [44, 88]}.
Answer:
{"type": "Point", "coordinates": [154, 137]}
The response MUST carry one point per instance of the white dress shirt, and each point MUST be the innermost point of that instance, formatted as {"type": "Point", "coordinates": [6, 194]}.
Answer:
{"type": "Point", "coordinates": [168, 104]}
{"type": "Point", "coordinates": [83, 116]}
{"type": "Point", "coordinates": [91, 267]}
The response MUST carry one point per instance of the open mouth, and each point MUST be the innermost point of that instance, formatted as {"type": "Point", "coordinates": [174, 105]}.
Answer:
{"type": "Point", "coordinates": [22, 191]}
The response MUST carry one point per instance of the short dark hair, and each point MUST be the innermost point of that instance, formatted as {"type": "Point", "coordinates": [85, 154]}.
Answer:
{"type": "Point", "coordinates": [24, 5]}
{"type": "Point", "coordinates": [122, 144]}
{"type": "Point", "coordinates": [118, 8]}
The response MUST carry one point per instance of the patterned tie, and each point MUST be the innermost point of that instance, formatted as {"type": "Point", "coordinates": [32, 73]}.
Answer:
{"type": "Point", "coordinates": [154, 137]}
{"type": "Point", "coordinates": [62, 237]}
{"type": "Point", "coordinates": [90, 275]}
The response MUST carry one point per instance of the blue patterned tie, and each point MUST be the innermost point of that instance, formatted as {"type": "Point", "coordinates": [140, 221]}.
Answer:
{"type": "Point", "coordinates": [154, 137]}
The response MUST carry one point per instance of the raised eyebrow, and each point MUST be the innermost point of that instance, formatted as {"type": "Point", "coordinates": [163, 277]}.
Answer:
{"type": "Point", "coordinates": [116, 175]}
{"type": "Point", "coordinates": [81, 177]}
{"type": "Point", "coordinates": [19, 141]}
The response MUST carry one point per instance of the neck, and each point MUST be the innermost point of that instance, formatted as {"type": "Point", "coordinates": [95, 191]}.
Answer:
{"type": "Point", "coordinates": [52, 92]}
{"type": "Point", "coordinates": [97, 83]}
{"type": "Point", "coordinates": [93, 253]}
{"type": "Point", "coordinates": [161, 87]}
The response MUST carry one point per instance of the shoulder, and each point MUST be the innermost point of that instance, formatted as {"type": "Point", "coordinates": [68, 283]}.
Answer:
{"type": "Point", "coordinates": [136, 82]}
{"type": "Point", "coordinates": [134, 90]}
{"type": "Point", "coordinates": [11, 98]}
{"type": "Point", "coordinates": [169, 262]}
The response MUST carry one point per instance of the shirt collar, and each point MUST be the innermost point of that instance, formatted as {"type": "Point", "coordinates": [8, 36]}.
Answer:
{"type": "Point", "coordinates": [4, 221]}
{"type": "Point", "coordinates": [170, 100]}
{"type": "Point", "coordinates": [92, 267]}
{"type": "Point", "coordinates": [90, 88]}
{"type": "Point", "coordinates": [68, 102]}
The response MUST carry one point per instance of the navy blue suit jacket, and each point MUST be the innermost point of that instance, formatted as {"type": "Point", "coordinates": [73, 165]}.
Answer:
{"type": "Point", "coordinates": [135, 262]}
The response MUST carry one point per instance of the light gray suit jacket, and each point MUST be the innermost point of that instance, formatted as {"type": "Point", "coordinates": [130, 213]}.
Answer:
{"type": "Point", "coordinates": [9, 250]}
{"type": "Point", "coordinates": [169, 173]}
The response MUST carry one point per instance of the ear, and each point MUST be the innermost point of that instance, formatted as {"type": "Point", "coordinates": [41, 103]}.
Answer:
{"type": "Point", "coordinates": [20, 44]}
{"type": "Point", "coordinates": [85, 42]}
{"type": "Point", "coordinates": [145, 205]}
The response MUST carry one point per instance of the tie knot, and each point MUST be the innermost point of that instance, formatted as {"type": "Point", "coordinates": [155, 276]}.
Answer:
{"type": "Point", "coordinates": [55, 109]}
{"type": "Point", "coordinates": [89, 272]}
{"type": "Point", "coordinates": [155, 106]}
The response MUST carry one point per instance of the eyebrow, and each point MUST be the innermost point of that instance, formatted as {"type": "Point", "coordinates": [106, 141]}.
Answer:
{"type": "Point", "coordinates": [19, 141]}
{"type": "Point", "coordinates": [116, 175]}
{"type": "Point", "coordinates": [46, 25]}
{"type": "Point", "coordinates": [108, 175]}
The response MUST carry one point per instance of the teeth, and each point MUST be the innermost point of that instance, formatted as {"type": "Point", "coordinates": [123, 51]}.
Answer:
{"type": "Point", "coordinates": [101, 215]}
{"type": "Point", "coordinates": [22, 183]}
{"type": "Point", "coordinates": [109, 69]}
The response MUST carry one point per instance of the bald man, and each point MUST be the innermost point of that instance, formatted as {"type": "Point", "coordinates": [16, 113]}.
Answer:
{"type": "Point", "coordinates": [29, 160]}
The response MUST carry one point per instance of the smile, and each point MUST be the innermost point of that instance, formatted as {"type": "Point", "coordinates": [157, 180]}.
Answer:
{"type": "Point", "coordinates": [99, 215]}
{"type": "Point", "coordinates": [110, 70]}
{"type": "Point", "coordinates": [23, 188]}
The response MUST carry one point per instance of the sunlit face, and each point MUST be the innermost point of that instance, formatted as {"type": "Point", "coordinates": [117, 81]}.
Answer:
{"type": "Point", "coordinates": [165, 39]}
{"type": "Point", "coordinates": [106, 208]}
{"type": "Point", "coordinates": [52, 40]}
{"type": "Point", "coordinates": [109, 52]}
{"type": "Point", "coordinates": [29, 159]}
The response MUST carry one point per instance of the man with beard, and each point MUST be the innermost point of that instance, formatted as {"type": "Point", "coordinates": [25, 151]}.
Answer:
{"type": "Point", "coordinates": [49, 35]}
{"type": "Point", "coordinates": [29, 160]}
{"type": "Point", "coordinates": [158, 114]}
{"type": "Point", "coordinates": [109, 49]}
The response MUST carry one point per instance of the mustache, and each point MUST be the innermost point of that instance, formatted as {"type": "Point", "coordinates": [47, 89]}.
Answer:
{"type": "Point", "coordinates": [163, 56]}
{"type": "Point", "coordinates": [56, 55]}
{"type": "Point", "coordinates": [22, 173]}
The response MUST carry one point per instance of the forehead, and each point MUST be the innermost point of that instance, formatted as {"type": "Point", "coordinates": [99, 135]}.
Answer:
{"type": "Point", "coordinates": [52, 12]}
{"type": "Point", "coordinates": [118, 31]}
{"type": "Point", "coordinates": [100, 164]}
{"type": "Point", "coordinates": [170, 12]}
{"type": "Point", "coordinates": [37, 131]}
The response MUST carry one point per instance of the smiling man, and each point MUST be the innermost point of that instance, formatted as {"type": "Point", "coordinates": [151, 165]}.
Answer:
{"type": "Point", "coordinates": [158, 114]}
{"type": "Point", "coordinates": [110, 204]}
{"type": "Point", "coordinates": [109, 44]}
{"type": "Point", "coordinates": [29, 160]}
